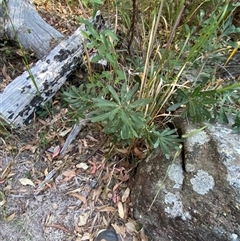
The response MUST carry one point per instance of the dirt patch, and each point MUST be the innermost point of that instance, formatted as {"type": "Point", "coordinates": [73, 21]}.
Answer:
{"type": "Point", "coordinates": [46, 196]}
{"type": "Point", "coordinates": [49, 214]}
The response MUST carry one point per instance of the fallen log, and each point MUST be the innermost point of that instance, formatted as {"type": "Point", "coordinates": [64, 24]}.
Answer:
{"type": "Point", "coordinates": [20, 22]}
{"type": "Point", "coordinates": [21, 98]}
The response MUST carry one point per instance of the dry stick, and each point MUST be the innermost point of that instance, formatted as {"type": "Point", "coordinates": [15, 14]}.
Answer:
{"type": "Point", "coordinates": [174, 28]}
{"type": "Point", "coordinates": [74, 132]}
{"type": "Point", "coordinates": [58, 226]}
{"type": "Point", "coordinates": [133, 25]}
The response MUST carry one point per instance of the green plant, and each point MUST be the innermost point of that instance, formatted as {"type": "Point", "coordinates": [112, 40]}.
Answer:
{"type": "Point", "coordinates": [43, 139]}
{"type": "Point", "coordinates": [120, 115]}
{"type": "Point", "coordinates": [227, 105]}
{"type": "Point", "coordinates": [46, 109]}
{"type": "Point", "coordinates": [116, 106]}
{"type": "Point", "coordinates": [196, 103]}
{"type": "Point", "coordinates": [236, 124]}
{"type": "Point", "coordinates": [128, 103]}
{"type": "Point", "coordinates": [104, 42]}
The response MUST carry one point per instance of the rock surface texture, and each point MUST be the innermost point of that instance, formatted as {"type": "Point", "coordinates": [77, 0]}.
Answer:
{"type": "Point", "coordinates": [200, 197]}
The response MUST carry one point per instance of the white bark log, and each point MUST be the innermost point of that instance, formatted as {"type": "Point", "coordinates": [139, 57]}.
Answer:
{"type": "Point", "coordinates": [21, 97]}
{"type": "Point", "coordinates": [20, 21]}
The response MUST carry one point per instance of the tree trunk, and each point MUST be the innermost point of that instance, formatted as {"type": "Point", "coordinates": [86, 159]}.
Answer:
{"type": "Point", "coordinates": [22, 23]}
{"type": "Point", "coordinates": [37, 85]}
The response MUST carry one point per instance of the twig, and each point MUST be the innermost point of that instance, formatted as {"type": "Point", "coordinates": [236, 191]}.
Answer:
{"type": "Point", "coordinates": [74, 132]}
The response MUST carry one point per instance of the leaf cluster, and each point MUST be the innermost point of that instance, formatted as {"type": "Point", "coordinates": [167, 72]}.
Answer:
{"type": "Point", "coordinates": [120, 115]}
{"type": "Point", "coordinates": [197, 103]}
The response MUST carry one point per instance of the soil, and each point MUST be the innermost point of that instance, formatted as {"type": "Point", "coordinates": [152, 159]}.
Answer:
{"type": "Point", "coordinates": [48, 196]}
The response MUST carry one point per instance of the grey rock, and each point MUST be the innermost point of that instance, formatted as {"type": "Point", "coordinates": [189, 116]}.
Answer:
{"type": "Point", "coordinates": [200, 198]}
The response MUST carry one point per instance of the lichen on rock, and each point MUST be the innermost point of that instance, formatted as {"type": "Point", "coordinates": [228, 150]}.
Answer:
{"type": "Point", "coordinates": [200, 198]}
{"type": "Point", "coordinates": [202, 182]}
